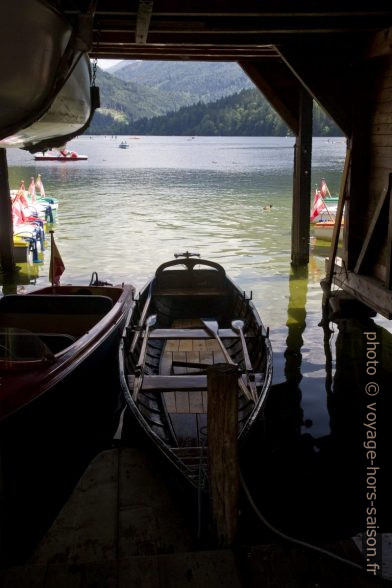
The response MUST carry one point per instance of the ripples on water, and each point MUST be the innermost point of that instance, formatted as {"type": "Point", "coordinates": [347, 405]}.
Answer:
{"type": "Point", "coordinates": [123, 212]}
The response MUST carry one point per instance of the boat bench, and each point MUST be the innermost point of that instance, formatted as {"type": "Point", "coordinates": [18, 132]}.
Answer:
{"type": "Point", "coordinates": [71, 314]}
{"type": "Point", "coordinates": [22, 341]}
{"type": "Point", "coordinates": [178, 383]}
{"type": "Point", "coordinates": [190, 334]}
{"type": "Point", "coordinates": [190, 292]}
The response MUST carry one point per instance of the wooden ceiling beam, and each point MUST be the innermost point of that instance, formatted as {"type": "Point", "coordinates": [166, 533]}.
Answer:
{"type": "Point", "coordinates": [331, 77]}
{"type": "Point", "coordinates": [143, 20]}
{"type": "Point", "coordinates": [280, 87]}
{"type": "Point", "coordinates": [380, 45]}
{"type": "Point", "coordinates": [250, 7]}
{"type": "Point", "coordinates": [183, 38]}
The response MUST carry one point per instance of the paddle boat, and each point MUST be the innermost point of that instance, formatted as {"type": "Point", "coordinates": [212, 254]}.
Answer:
{"type": "Point", "coordinates": [123, 145]}
{"type": "Point", "coordinates": [63, 155]}
{"type": "Point", "coordinates": [184, 321]}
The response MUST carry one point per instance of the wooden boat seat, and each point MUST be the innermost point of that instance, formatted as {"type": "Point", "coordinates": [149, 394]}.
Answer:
{"type": "Point", "coordinates": [190, 334]}
{"type": "Point", "coordinates": [178, 383]}
{"type": "Point", "coordinates": [23, 340]}
{"type": "Point", "coordinates": [190, 292]}
{"type": "Point", "coordinates": [56, 304]}
{"type": "Point", "coordinates": [71, 314]}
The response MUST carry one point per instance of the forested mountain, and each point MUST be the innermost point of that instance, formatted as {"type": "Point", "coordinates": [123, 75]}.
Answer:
{"type": "Point", "coordinates": [191, 81]}
{"type": "Point", "coordinates": [246, 113]}
{"type": "Point", "coordinates": [129, 101]}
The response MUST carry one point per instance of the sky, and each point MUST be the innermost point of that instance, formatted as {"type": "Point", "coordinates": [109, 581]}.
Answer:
{"type": "Point", "coordinates": [105, 63]}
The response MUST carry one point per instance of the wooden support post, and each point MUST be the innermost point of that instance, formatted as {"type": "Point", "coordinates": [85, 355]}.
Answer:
{"type": "Point", "coordinates": [7, 261]}
{"type": "Point", "coordinates": [301, 184]}
{"type": "Point", "coordinates": [222, 425]}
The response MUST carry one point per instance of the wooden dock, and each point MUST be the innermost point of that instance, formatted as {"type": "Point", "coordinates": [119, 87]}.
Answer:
{"type": "Point", "coordinates": [122, 527]}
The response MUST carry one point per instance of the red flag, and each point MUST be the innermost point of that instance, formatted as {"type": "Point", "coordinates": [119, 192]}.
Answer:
{"type": "Point", "coordinates": [57, 266]}
{"type": "Point", "coordinates": [318, 205]}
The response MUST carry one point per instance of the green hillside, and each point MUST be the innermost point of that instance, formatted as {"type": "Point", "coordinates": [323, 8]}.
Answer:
{"type": "Point", "coordinates": [246, 113]}
{"type": "Point", "coordinates": [193, 80]}
{"type": "Point", "coordinates": [131, 101]}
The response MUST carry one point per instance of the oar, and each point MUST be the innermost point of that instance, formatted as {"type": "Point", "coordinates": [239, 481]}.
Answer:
{"type": "Point", "coordinates": [212, 327]}
{"type": "Point", "coordinates": [238, 326]}
{"type": "Point", "coordinates": [139, 371]}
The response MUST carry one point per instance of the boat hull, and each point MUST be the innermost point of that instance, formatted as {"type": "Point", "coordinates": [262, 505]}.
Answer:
{"type": "Point", "coordinates": [31, 111]}
{"type": "Point", "coordinates": [324, 231]}
{"type": "Point", "coordinates": [169, 430]}
{"type": "Point", "coordinates": [44, 157]}
{"type": "Point", "coordinates": [54, 419]}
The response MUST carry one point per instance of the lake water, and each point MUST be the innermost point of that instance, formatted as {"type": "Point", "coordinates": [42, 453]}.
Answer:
{"type": "Point", "coordinates": [123, 212]}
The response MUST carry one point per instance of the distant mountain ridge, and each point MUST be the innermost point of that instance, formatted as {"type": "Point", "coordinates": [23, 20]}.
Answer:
{"type": "Point", "coordinates": [191, 80]}
{"type": "Point", "coordinates": [175, 98]}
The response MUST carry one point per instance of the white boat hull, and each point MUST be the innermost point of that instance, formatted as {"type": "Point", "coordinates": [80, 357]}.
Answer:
{"type": "Point", "coordinates": [29, 114]}
{"type": "Point", "coordinates": [324, 231]}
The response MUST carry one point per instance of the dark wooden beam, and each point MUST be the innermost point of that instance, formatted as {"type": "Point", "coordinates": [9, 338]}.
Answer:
{"type": "Point", "coordinates": [304, 9]}
{"type": "Point", "coordinates": [7, 261]}
{"type": "Point", "coordinates": [301, 186]}
{"type": "Point", "coordinates": [365, 250]}
{"type": "Point", "coordinates": [279, 86]}
{"type": "Point", "coordinates": [365, 288]}
{"type": "Point", "coordinates": [143, 20]}
{"type": "Point", "coordinates": [380, 44]}
{"type": "Point", "coordinates": [331, 76]}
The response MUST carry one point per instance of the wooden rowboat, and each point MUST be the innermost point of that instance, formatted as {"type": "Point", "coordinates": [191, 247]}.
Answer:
{"type": "Point", "coordinates": [169, 343]}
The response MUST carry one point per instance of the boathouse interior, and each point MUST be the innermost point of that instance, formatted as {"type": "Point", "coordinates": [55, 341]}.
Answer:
{"type": "Point", "coordinates": [336, 53]}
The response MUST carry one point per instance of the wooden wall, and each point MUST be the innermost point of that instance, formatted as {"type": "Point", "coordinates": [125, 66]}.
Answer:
{"type": "Point", "coordinates": [368, 219]}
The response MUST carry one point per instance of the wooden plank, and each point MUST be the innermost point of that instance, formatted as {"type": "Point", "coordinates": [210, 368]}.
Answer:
{"type": "Point", "coordinates": [179, 383]}
{"type": "Point", "coordinates": [170, 345]}
{"type": "Point", "coordinates": [185, 345]}
{"type": "Point", "coordinates": [165, 366]}
{"type": "Point", "coordinates": [367, 289]}
{"type": "Point", "coordinates": [388, 253]}
{"type": "Point", "coordinates": [196, 402]}
{"type": "Point", "coordinates": [212, 345]}
{"type": "Point", "coordinates": [170, 401]}
{"type": "Point", "coordinates": [192, 357]}
{"type": "Point", "coordinates": [300, 230]}
{"type": "Point", "coordinates": [338, 220]}
{"type": "Point", "coordinates": [199, 345]}
{"type": "Point", "coordinates": [380, 44]}
{"type": "Point", "coordinates": [143, 18]}
{"type": "Point", "coordinates": [365, 246]}
{"type": "Point", "coordinates": [222, 423]}
{"type": "Point", "coordinates": [170, 334]}
{"type": "Point", "coordinates": [218, 356]}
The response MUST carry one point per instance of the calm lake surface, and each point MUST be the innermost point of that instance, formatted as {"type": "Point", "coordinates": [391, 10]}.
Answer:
{"type": "Point", "coordinates": [123, 212]}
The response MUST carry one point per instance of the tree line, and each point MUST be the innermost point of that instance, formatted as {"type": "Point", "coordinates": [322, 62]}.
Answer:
{"type": "Point", "coordinates": [246, 113]}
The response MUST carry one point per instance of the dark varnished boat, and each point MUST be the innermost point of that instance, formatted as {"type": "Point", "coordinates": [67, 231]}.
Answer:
{"type": "Point", "coordinates": [60, 397]}
{"type": "Point", "coordinates": [172, 337]}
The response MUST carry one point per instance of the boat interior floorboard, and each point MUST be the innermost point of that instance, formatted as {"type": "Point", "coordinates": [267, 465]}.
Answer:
{"type": "Point", "coordinates": [187, 410]}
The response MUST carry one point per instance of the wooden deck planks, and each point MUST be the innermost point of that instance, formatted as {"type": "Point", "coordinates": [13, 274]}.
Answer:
{"type": "Point", "coordinates": [193, 351]}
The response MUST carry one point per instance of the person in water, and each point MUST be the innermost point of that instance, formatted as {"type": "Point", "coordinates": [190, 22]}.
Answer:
{"type": "Point", "coordinates": [268, 207]}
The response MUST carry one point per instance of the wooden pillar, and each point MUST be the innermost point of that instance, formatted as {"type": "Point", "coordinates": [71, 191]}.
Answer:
{"type": "Point", "coordinates": [300, 230]}
{"type": "Point", "coordinates": [7, 261]}
{"type": "Point", "coordinates": [222, 426]}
